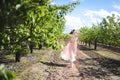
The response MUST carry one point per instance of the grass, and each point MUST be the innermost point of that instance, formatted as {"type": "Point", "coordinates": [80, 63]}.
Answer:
{"type": "Point", "coordinates": [39, 55]}
{"type": "Point", "coordinates": [10, 56]}
{"type": "Point", "coordinates": [107, 54]}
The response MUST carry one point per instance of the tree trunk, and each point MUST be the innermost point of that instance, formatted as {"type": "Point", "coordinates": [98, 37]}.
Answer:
{"type": "Point", "coordinates": [85, 43]}
{"type": "Point", "coordinates": [95, 44]}
{"type": "Point", "coordinates": [17, 57]}
{"type": "Point", "coordinates": [31, 48]}
{"type": "Point", "coordinates": [40, 46]}
{"type": "Point", "coordinates": [89, 44]}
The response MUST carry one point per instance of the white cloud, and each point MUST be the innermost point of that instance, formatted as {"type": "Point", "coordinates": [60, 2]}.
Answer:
{"type": "Point", "coordinates": [87, 17]}
{"type": "Point", "coordinates": [52, 2]}
{"type": "Point", "coordinates": [74, 0]}
{"type": "Point", "coordinates": [116, 13]}
{"type": "Point", "coordinates": [116, 7]}
{"type": "Point", "coordinates": [96, 16]}
{"type": "Point", "coordinates": [77, 0]}
{"type": "Point", "coordinates": [73, 22]}
{"type": "Point", "coordinates": [100, 13]}
{"type": "Point", "coordinates": [82, 0]}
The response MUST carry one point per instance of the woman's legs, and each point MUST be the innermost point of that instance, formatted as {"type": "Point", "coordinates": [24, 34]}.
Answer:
{"type": "Point", "coordinates": [71, 64]}
{"type": "Point", "coordinates": [72, 55]}
{"type": "Point", "coordinates": [72, 60]}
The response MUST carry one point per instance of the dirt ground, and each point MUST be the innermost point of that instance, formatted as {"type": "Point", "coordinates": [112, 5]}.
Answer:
{"type": "Point", "coordinates": [49, 66]}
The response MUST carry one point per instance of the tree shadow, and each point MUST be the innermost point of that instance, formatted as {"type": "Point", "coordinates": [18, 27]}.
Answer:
{"type": "Point", "coordinates": [53, 64]}
{"type": "Point", "coordinates": [4, 60]}
{"type": "Point", "coordinates": [115, 49]}
{"type": "Point", "coordinates": [100, 67]}
{"type": "Point", "coordinates": [84, 48]}
{"type": "Point", "coordinates": [113, 66]}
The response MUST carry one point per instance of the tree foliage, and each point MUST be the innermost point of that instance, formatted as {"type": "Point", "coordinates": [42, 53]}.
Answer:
{"type": "Point", "coordinates": [6, 75]}
{"type": "Point", "coordinates": [106, 32]}
{"type": "Point", "coordinates": [31, 22]}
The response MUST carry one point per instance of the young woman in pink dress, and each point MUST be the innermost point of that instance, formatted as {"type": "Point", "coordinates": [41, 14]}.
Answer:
{"type": "Point", "coordinates": [69, 51]}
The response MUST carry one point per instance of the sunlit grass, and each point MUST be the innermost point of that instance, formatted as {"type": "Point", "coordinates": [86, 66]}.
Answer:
{"type": "Point", "coordinates": [10, 56]}
{"type": "Point", "coordinates": [24, 60]}
{"type": "Point", "coordinates": [108, 55]}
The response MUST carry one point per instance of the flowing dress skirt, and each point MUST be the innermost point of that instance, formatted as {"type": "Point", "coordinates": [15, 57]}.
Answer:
{"type": "Point", "coordinates": [68, 52]}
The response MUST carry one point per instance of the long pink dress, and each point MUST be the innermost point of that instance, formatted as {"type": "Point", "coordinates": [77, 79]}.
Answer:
{"type": "Point", "coordinates": [69, 51]}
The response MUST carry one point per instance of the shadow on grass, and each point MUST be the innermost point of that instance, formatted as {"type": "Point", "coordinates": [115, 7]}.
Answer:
{"type": "Point", "coordinates": [53, 64]}
{"type": "Point", "coordinates": [84, 48]}
{"type": "Point", "coordinates": [100, 67]}
{"type": "Point", "coordinates": [6, 60]}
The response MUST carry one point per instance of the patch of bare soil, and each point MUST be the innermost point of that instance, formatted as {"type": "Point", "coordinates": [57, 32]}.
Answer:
{"type": "Point", "coordinates": [98, 67]}
{"type": "Point", "coordinates": [89, 66]}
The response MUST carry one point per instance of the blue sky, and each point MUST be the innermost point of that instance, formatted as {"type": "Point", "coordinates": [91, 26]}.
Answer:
{"type": "Point", "coordinates": [89, 12]}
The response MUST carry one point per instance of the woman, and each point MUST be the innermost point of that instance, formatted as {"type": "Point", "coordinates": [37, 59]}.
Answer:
{"type": "Point", "coordinates": [69, 51]}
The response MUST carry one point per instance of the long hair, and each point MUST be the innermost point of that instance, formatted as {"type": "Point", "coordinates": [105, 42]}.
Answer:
{"type": "Point", "coordinates": [72, 31]}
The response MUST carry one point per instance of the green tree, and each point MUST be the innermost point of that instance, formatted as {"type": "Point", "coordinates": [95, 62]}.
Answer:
{"type": "Point", "coordinates": [6, 75]}
{"type": "Point", "coordinates": [109, 30]}
{"type": "Point", "coordinates": [31, 22]}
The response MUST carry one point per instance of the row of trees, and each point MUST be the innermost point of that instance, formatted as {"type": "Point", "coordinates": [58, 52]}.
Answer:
{"type": "Point", "coordinates": [29, 23]}
{"type": "Point", "coordinates": [106, 32]}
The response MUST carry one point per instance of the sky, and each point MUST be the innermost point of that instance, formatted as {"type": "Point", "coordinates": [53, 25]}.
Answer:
{"type": "Point", "coordinates": [88, 12]}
